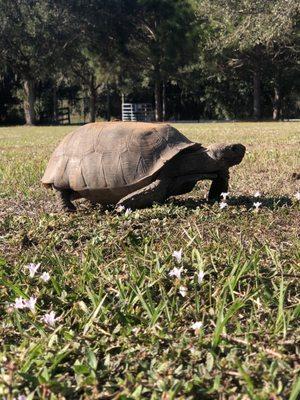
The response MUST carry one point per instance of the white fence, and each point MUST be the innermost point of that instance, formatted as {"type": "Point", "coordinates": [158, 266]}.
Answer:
{"type": "Point", "coordinates": [137, 112]}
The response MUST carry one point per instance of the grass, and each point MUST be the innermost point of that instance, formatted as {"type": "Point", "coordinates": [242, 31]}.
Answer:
{"type": "Point", "coordinates": [124, 331]}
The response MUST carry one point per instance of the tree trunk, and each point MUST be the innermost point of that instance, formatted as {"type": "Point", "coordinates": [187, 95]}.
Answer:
{"type": "Point", "coordinates": [164, 102]}
{"type": "Point", "coordinates": [92, 107]}
{"type": "Point", "coordinates": [55, 104]}
{"type": "Point", "coordinates": [256, 95]}
{"type": "Point", "coordinates": [122, 101]}
{"type": "Point", "coordinates": [158, 99]}
{"type": "Point", "coordinates": [283, 108]}
{"type": "Point", "coordinates": [108, 106]}
{"type": "Point", "coordinates": [93, 100]}
{"type": "Point", "coordinates": [29, 101]}
{"type": "Point", "coordinates": [276, 103]}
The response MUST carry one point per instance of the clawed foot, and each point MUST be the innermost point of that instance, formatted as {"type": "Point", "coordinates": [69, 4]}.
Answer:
{"type": "Point", "coordinates": [64, 203]}
{"type": "Point", "coordinates": [124, 205]}
{"type": "Point", "coordinates": [68, 209]}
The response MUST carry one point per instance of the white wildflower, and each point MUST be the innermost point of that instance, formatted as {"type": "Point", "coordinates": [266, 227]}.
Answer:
{"type": "Point", "coordinates": [224, 195]}
{"type": "Point", "coordinates": [22, 397]}
{"type": "Point", "coordinates": [176, 272]}
{"type": "Point", "coordinates": [49, 318]}
{"type": "Point", "coordinates": [128, 211]}
{"type": "Point", "coordinates": [200, 277]}
{"type": "Point", "coordinates": [257, 194]}
{"type": "Point", "coordinates": [257, 205]}
{"type": "Point", "coordinates": [45, 276]}
{"type": "Point", "coordinates": [33, 269]}
{"type": "Point", "coordinates": [177, 255]}
{"type": "Point", "coordinates": [120, 209]}
{"type": "Point", "coordinates": [223, 205]}
{"type": "Point", "coordinates": [31, 303]}
{"type": "Point", "coordinates": [19, 303]}
{"type": "Point", "coordinates": [197, 326]}
{"type": "Point", "coordinates": [183, 291]}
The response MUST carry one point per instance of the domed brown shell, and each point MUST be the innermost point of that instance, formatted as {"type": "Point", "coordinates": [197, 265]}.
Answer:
{"type": "Point", "coordinates": [113, 155]}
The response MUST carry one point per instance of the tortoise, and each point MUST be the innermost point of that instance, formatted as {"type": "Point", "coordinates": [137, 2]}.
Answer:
{"type": "Point", "coordinates": [135, 164]}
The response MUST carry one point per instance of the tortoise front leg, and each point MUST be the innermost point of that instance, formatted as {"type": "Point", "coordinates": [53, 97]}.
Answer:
{"type": "Point", "coordinates": [218, 186]}
{"type": "Point", "coordinates": [185, 184]}
{"type": "Point", "coordinates": [64, 200]}
{"type": "Point", "coordinates": [145, 197]}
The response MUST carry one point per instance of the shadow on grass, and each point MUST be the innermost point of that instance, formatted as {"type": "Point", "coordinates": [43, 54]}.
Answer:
{"type": "Point", "coordinates": [271, 203]}
{"type": "Point", "coordinates": [191, 203]}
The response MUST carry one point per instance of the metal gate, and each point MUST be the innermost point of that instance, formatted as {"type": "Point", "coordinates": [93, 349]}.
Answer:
{"type": "Point", "coordinates": [137, 112]}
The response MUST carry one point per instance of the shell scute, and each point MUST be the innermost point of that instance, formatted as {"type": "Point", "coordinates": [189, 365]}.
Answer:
{"type": "Point", "coordinates": [92, 169]}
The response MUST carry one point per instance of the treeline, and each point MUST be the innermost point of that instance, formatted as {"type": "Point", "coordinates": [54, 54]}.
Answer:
{"type": "Point", "coordinates": [193, 59]}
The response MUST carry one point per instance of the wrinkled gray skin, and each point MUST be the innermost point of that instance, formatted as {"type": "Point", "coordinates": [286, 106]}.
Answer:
{"type": "Point", "coordinates": [214, 161]}
{"type": "Point", "coordinates": [179, 176]}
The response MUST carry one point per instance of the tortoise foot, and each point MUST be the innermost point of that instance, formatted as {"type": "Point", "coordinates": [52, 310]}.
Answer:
{"type": "Point", "coordinates": [67, 209]}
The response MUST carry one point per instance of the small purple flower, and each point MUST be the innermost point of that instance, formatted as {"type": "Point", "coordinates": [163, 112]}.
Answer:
{"type": "Point", "coordinates": [33, 269]}
{"type": "Point", "coordinates": [31, 303]}
{"type": "Point", "coordinates": [200, 277]}
{"type": "Point", "coordinates": [45, 276]}
{"type": "Point", "coordinates": [19, 303]}
{"type": "Point", "coordinates": [22, 397]}
{"type": "Point", "coordinates": [49, 318]}
{"type": "Point", "coordinates": [176, 272]}
{"type": "Point", "coordinates": [177, 255]}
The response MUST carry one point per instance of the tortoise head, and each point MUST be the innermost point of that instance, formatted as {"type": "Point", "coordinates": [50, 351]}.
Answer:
{"type": "Point", "coordinates": [227, 154]}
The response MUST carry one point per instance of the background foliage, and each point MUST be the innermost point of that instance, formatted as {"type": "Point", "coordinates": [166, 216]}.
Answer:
{"type": "Point", "coordinates": [193, 59]}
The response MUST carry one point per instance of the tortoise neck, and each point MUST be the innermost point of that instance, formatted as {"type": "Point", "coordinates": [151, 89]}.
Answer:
{"type": "Point", "coordinates": [198, 161]}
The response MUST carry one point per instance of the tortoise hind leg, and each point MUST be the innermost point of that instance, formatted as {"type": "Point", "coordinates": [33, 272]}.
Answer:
{"type": "Point", "coordinates": [64, 200]}
{"type": "Point", "coordinates": [156, 192]}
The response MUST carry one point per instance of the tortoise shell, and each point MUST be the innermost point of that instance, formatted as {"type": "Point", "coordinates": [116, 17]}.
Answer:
{"type": "Point", "coordinates": [117, 157]}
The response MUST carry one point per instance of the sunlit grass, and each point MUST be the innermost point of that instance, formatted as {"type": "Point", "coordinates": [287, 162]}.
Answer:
{"type": "Point", "coordinates": [124, 330]}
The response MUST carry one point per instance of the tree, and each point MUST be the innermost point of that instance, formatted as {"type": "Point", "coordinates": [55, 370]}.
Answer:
{"type": "Point", "coordinates": [90, 76]}
{"type": "Point", "coordinates": [162, 43]}
{"type": "Point", "coordinates": [256, 35]}
{"type": "Point", "coordinates": [34, 35]}
{"type": "Point", "coordinates": [105, 30]}
{"type": "Point", "coordinates": [9, 102]}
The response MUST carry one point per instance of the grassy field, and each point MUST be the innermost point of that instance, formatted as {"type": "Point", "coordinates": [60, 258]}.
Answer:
{"type": "Point", "coordinates": [124, 327]}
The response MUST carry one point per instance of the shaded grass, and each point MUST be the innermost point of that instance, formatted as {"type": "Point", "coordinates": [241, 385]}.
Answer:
{"type": "Point", "coordinates": [124, 330]}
